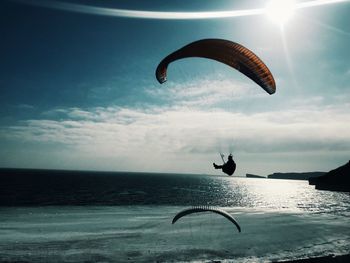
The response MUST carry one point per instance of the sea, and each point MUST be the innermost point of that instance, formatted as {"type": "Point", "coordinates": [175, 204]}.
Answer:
{"type": "Point", "coordinates": [90, 216]}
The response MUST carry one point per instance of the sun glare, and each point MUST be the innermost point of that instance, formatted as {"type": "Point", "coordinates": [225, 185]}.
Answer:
{"type": "Point", "coordinates": [280, 11]}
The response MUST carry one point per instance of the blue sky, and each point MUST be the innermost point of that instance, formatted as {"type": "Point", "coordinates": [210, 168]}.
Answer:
{"type": "Point", "coordinates": [78, 88]}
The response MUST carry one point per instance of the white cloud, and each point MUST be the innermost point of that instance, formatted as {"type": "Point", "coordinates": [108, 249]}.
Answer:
{"type": "Point", "coordinates": [205, 92]}
{"type": "Point", "coordinates": [164, 137]}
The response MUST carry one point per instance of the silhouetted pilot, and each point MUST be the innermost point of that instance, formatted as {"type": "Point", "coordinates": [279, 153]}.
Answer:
{"type": "Point", "coordinates": [229, 167]}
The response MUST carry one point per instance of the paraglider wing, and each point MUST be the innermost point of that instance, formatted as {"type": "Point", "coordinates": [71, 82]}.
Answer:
{"type": "Point", "coordinates": [206, 209]}
{"type": "Point", "coordinates": [227, 52]}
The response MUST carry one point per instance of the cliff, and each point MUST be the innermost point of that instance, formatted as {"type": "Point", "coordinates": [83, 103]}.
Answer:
{"type": "Point", "coordinates": [335, 180]}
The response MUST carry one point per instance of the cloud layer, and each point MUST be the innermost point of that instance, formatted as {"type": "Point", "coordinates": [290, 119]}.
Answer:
{"type": "Point", "coordinates": [167, 134]}
{"type": "Point", "coordinates": [185, 130]}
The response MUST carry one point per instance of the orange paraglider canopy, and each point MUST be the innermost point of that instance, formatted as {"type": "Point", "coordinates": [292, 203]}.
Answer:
{"type": "Point", "coordinates": [227, 52]}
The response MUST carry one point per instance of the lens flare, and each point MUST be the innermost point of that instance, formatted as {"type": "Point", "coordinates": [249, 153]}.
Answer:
{"type": "Point", "coordinates": [280, 11]}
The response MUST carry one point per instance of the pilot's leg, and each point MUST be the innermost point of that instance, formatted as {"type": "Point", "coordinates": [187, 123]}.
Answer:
{"type": "Point", "coordinates": [217, 166]}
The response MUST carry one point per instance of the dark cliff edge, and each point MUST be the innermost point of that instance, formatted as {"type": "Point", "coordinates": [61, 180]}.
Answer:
{"type": "Point", "coordinates": [335, 180]}
{"type": "Point", "coordinates": [295, 176]}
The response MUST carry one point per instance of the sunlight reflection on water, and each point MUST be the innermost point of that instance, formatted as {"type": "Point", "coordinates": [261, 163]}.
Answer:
{"type": "Point", "coordinates": [283, 194]}
{"type": "Point", "coordinates": [82, 188]}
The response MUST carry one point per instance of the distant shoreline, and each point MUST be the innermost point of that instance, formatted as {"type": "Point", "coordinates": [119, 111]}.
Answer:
{"type": "Point", "coordinates": [288, 176]}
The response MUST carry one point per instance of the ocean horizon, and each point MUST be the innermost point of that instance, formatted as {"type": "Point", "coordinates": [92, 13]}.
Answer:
{"type": "Point", "coordinates": [37, 187]}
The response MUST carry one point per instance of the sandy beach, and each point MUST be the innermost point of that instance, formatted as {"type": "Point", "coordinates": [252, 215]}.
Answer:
{"type": "Point", "coordinates": [145, 234]}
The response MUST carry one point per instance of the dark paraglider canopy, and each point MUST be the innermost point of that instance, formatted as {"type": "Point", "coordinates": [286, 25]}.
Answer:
{"type": "Point", "coordinates": [206, 209]}
{"type": "Point", "coordinates": [227, 52]}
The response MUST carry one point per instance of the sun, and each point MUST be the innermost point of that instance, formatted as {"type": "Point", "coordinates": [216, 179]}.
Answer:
{"type": "Point", "coordinates": [280, 11]}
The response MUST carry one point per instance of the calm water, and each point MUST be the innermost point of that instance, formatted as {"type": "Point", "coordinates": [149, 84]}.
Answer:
{"type": "Point", "coordinates": [48, 187]}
